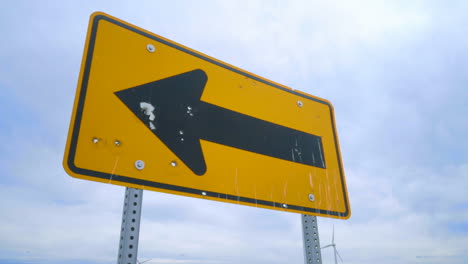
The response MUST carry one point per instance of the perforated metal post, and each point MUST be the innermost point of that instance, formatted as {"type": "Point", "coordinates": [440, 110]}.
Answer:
{"type": "Point", "coordinates": [310, 236]}
{"type": "Point", "coordinates": [129, 234]}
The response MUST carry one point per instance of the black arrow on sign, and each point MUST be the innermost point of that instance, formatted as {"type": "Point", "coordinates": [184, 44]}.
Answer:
{"type": "Point", "coordinates": [172, 110]}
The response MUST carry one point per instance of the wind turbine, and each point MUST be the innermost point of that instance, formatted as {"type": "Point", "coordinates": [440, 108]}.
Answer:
{"type": "Point", "coordinates": [334, 247]}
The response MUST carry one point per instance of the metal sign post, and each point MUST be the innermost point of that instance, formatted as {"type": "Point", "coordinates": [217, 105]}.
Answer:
{"type": "Point", "coordinates": [130, 232]}
{"type": "Point", "coordinates": [310, 236]}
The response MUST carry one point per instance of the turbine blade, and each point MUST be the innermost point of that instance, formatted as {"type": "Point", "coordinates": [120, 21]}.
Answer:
{"type": "Point", "coordinates": [326, 246]}
{"type": "Point", "coordinates": [333, 235]}
{"type": "Point", "coordinates": [336, 250]}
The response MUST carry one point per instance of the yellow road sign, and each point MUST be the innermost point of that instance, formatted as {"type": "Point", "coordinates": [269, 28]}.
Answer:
{"type": "Point", "coordinates": [152, 114]}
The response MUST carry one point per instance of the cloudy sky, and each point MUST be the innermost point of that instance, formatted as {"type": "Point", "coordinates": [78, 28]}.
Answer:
{"type": "Point", "coordinates": [395, 71]}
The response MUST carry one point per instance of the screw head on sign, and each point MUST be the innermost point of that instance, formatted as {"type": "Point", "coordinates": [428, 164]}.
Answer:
{"type": "Point", "coordinates": [300, 103]}
{"type": "Point", "coordinates": [311, 197]}
{"type": "Point", "coordinates": [150, 48]}
{"type": "Point", "coordinates": [139, 164]}
{"type": "Point", "coordinates": [117, 143]}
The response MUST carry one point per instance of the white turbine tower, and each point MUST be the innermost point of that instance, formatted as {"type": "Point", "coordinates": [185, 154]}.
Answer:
{"type": "Point", "coordinates": [334, 247]}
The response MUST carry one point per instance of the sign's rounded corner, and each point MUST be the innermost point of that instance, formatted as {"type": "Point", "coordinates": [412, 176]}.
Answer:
{"type": "Point", "coordinates": [346, 214]}
{"type": "Point", "coordinates": [69, 166]}
{"type": "Point", "coordinates": [98, 15]}
{"type": "Point", "coordinates": [329, 104]}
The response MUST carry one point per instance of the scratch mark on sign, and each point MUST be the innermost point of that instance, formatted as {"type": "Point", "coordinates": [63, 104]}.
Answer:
{"type": "Point", "coordinates": [311, 181]}
{"type": "Point", "coordinates": [320, 152]}
{"type": "Point", "coordinates": [236, 186]}
{"type": "Point", "coordinates": [114, 168]}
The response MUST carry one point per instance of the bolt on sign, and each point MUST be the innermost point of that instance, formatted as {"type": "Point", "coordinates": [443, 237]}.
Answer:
{"type": "Point", "coordinates": [152, 114]}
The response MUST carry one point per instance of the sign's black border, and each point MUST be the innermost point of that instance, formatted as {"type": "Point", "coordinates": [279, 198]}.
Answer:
{"type": "Point", "coordinates": [97, 174]}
